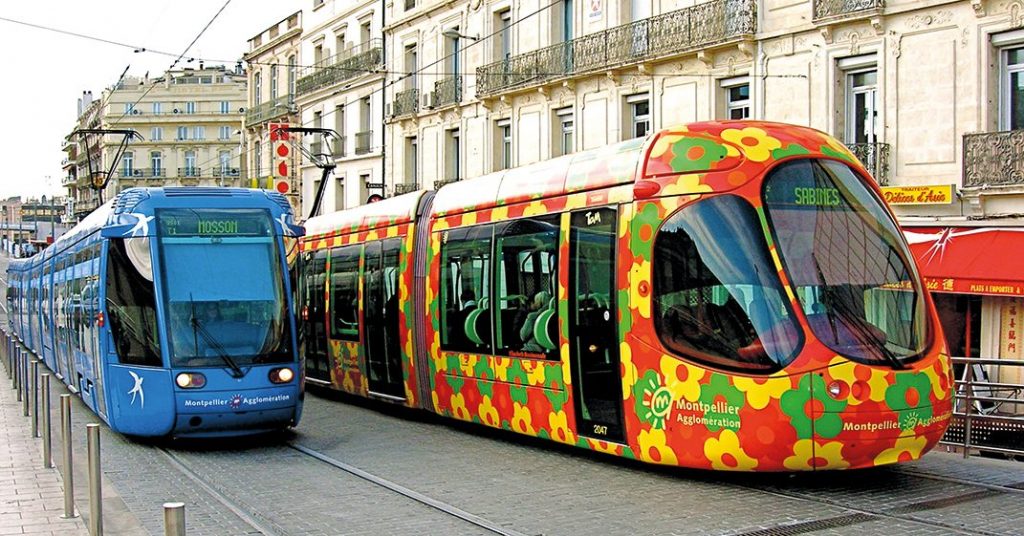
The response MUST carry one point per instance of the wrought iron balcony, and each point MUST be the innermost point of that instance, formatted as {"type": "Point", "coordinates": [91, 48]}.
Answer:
{"type": "Point", "coordinates": [406, 103]}
{"type": "Point", "coordinates": [190, 172]}
{"type": "Point", "coordinates": [826, 10]}
{"type": "Point", "coordinates": [269, 110]}
{"type": "Point", "coordinates": [225, 172]}
{"type": "Point", "coordinates": [154, 173]}
{"type": "Point", "coordinates": [875, 157]}
{"type": "Point", "coordinates": [686, 30]}
{"type": "Point", "coordinates": [363, 140]}
{"type": "Point", "coordinates": [404, 188]}
{"type": "Point", "coordinates": [356, 60]}
{"type": "Point", "coordinates": [994, 159]}
{"type": "Point", "coordinates": [448, 90]}
{"type": "Point", "coordinates": [339, 146]}
{"type": "Point", "coordinates": [439, 184]}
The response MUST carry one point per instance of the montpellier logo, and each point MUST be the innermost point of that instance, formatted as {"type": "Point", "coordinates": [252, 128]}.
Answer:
{"type": "Point", "coordinates": [137, 391]}
{"type": "Point", "coordinates": [236, 402]}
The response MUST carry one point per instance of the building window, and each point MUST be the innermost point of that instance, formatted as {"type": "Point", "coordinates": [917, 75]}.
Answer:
{"type": "Point", "coordinates": [128, 161]}
{"type": "Point", "coordinates": [453, 165]}
{"type": "Point", "coordinates": [224, 133]}
{"type": "Point", "coordinates": [198, 133]}
{"type": "Point", "coordinates": [1012, 89]}
{"type": "Point", "coordinates": [339, 199]}
{"type": "Point", "coordinates": [861, 101]}
{"type": "Point", "coordinates": [190, 107]}
{"type": "Point", "coordinates": [292, 74]}
{"type": "Point", "coordinates": [257, 157]}
{"type": "Point", "coordinates": [225, 107]}
{"type": "Point", "coordinates": [225, 162]}
{"type": "Point", "coordinates": [257, 89]}
{"type": "Point", "coordinates": [156, 161]}
{"type": "Point", "coordinates": [503, 128]}
{"type": "Point", "coordinates": [565, 127]}
{"type": "Point", "coordinates": [182, 134]}
{"type": "Point", "coordinates": [129, 107]}
{"type": "Point", "coordinates": [410, 66]}
{"type": "Point", "coordinates": [318, 54]}
{"type": "Point", "coordinates": [503, 45]}
{"type": "Point", "coordinates": [156, 134]}
{"type": "Point", "coordinates": [158, 108]}
{"type": "Point", "coordinates": [737, 97]}
{"type": "Point", "coordinates": [190, 164]}
{"type": "Point", "coordinates": [638, 108]}
{"type": "Point", "coordinates": [273, 81]}
{"type": "Point", "coordinates": [412, 158]}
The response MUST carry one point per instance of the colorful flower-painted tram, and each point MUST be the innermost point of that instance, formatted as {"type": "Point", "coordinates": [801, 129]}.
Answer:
{"type": "Point", "coordinates": [168, 311]}
{"type": "Point", "coordinates": [722, 295]}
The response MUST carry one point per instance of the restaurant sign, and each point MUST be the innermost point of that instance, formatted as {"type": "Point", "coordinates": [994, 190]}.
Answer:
{"type": "Point", "coordinates": [937, 194]}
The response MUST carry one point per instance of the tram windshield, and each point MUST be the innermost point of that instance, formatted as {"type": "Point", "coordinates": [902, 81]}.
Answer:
{"type": "Point", "coordinates": [717, 298]}
{"type": "Point", "coordinates": [223, 288]}
{"type": "Point", "coordinates": [847, 263]}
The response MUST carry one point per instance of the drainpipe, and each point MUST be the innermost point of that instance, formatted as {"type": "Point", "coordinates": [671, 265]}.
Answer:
{"type": "Point", "coordinates": [383, 98]}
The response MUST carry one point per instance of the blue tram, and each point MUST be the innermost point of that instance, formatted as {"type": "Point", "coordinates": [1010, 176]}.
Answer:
{"type": "Point", "coordinates": [169, 311]}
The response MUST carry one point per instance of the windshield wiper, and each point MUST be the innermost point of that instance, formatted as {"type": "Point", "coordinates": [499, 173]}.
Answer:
{"type": "Point", "coordinates": [198, 327]}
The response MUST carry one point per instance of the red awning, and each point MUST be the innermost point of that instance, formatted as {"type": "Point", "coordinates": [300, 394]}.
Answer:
{"type": "Point", "coordinates": [969, 260]}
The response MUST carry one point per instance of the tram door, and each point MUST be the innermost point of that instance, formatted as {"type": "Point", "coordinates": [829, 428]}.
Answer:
{"type": "Point", "coordinates": [314, 316]}
{"type": "Point", "coordinates": [380, 307]}
{"type": "Point", "coordinates": [593, 330]}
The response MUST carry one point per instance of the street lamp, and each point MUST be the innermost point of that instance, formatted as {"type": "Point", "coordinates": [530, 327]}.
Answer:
{"type": "Point", "coordinates": [453, 33]}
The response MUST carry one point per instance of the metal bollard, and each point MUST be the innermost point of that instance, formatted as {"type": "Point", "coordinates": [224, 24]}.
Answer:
{"type": "Point", "coordinates": [95, 480]}
{"type": "Point", "coordinates": [24, 386]}
{"type": "Point", "coordinates": [174, 519]}
{"type": "Point", "coordinates": [47, 439]}
{"type": "Point", "coordinates": [16, 380]}
{"type": "Point", "coordinates": [69, 473]}
{"type": "Point", "coordinates": [34, 372]}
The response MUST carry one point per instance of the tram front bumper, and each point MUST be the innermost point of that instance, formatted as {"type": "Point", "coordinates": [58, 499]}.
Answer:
{"type": "Point", "coordinates": [213, 413]}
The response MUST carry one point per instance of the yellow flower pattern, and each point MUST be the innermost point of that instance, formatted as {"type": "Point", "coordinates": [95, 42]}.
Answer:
{"type": "Point", "coordinates": [725, 453]}
{"type": "Point", "coordinates": [654, 448]}
{"type": "Point", "coordinates": [754, 142]}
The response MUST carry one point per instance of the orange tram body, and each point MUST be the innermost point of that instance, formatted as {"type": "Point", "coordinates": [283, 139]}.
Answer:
{"type": "Point", "coordinates": [719, 295]}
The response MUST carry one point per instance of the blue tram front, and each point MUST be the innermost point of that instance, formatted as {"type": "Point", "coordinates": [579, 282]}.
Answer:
{"type": "Point", "coordinates": [169, 310]}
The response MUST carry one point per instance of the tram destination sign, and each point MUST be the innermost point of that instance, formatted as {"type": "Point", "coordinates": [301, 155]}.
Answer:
{"type": "Point", "coordinates": [186, 222]}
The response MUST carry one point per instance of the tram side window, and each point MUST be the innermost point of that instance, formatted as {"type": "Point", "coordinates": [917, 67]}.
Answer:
{"type": "Point", "coordinates": [526, 318]}
{"type": "Point", "coordinates": [345, 293]}
{"type": "Point", "coordinates": [131, 306]}
{"type": "Point", "coordinates": [717, 299]}
{"type": "Point", "coordinates": [465, 289]}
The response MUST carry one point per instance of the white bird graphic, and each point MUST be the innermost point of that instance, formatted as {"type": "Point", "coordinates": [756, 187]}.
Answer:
{"type": "Point", "coordinates": [137, 389]}
{"type": "Point", "coordinates": [282, 220]}
{"type": "Point", "coordinates": [142, 224]}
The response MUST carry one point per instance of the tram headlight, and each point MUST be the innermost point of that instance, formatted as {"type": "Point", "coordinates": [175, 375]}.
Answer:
{"type": "Point", "coordinates": [281, 375]}
{"type": "Point", "coordinates": [190, 380]}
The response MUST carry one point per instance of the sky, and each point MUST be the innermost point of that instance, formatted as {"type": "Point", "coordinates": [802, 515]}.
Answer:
{"type": "Point", "coordinates": [47, 71]}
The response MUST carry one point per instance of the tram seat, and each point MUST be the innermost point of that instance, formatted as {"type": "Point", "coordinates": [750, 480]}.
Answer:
{"type": "Point", "coordinates": [545, 329]}
{"type": "Point", "coordinates": [478, 325]}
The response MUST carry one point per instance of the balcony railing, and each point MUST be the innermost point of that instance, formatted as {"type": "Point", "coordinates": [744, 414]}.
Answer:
{"type": "Point", "coordinates": [685, 30]}
{"type": "Point", "coordinates": [190, 172]}
{"type": "Point", "coordinates": [875, 157]}
{"type": "Point", "coordinates": [439, 184]}
{"type": "Point", "coordinates": [269, 110]}
{"type": "Point", "coordinates": [837, 9]}
{"type": "Point", "coordinates": [225, 172]}
{"type": "Point", "coordinates": [404, 188]}
{"type": "Point", "coordinates": [994, 159]}
{"type": "Point", "coordinates": [406, 102]}
{"type": "Point", "coordinates": [448, 90]}
{"type": "Point", "coordinates": [357, 60]}
{"type": "Point", "coordinates": [363, 140]}
{"type": "Point", "coordinates": [154, 173]}
{"type": "Point", "coordinates": [338, 144]}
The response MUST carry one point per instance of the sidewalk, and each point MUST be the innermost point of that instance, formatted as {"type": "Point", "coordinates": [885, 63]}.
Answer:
{"type": "Point", "coordinates": [31, 498]}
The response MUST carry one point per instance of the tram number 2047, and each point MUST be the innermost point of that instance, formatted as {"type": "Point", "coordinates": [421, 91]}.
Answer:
{"type": "Point", "coordinates": [600, 429]}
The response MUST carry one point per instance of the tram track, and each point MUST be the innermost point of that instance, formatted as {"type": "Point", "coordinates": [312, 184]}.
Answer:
{"type": "Point", "coordinates": [264, 523]}
{"type": "Point", "coordinates": [856, 514]}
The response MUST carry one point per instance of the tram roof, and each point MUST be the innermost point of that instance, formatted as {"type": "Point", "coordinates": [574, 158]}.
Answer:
{"type": "Point", "coordinates": [391, 211]}
{"type": "Point", "coordinates": [586, 170]}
